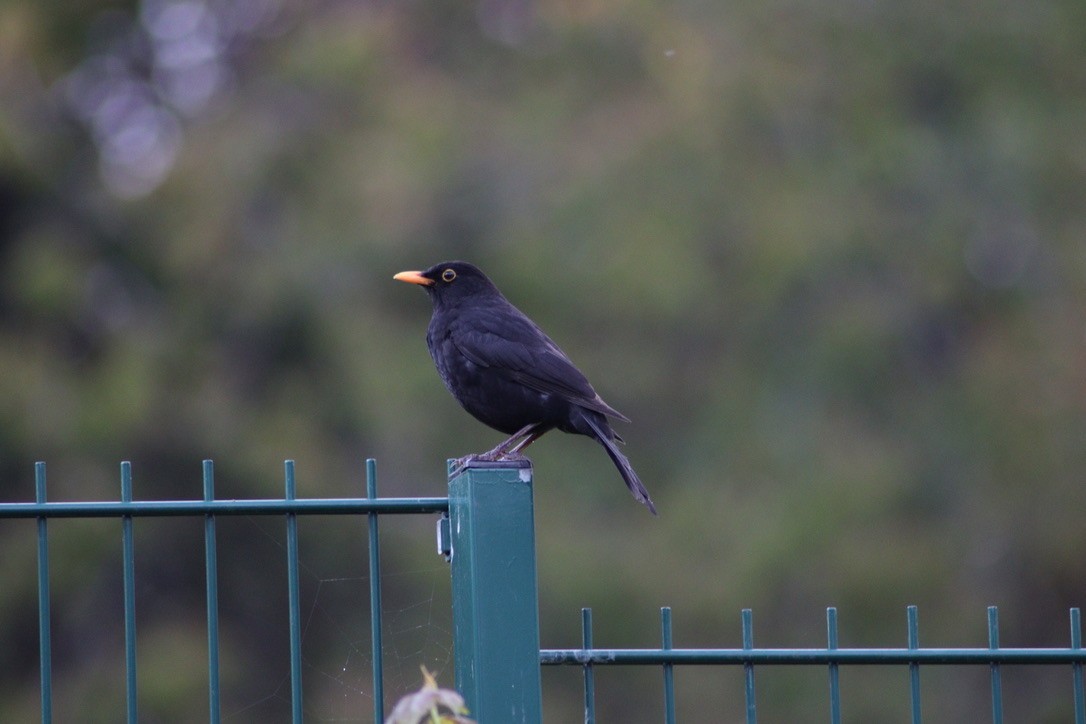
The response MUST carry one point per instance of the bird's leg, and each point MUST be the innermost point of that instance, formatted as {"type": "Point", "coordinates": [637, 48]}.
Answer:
{"type": "Point", "coordinates": [509, 447]}
{"type": "Point", "coordinates": [511, 444]}
{"type": "Point", "coordinates": [528, 440]}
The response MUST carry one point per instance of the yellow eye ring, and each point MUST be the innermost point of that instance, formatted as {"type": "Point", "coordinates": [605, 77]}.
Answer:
{"type": "Point", "coordinates": [448, 275]}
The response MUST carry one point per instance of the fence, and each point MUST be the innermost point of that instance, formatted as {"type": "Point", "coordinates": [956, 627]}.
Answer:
{"type": "Point", "coordinates": [290, 507]}
{"type": "Point", "coordinates": [486, 530]}
{"type": "Point", "coordinates": [832, 657]}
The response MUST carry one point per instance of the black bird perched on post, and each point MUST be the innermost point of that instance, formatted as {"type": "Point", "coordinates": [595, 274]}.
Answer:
{"type": "Point", "coordinates": [502, 368]}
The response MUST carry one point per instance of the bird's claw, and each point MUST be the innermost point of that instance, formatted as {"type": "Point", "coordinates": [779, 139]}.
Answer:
{"type": "Point", "coordinates": [491, 456]}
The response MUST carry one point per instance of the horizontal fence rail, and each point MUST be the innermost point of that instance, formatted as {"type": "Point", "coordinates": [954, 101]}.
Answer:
{"type": "Point", "coordinates": [209, 508]}
{"type": "Point", "coordinates": [182, 508]}
{"type": "Point", "coordinates": [806, 657]}
{"type": "Point", "coordinates": [833, 657]}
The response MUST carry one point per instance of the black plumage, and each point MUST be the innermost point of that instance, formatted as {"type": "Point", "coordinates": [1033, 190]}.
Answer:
{"type": "Point", "coordinates": [507, 373]}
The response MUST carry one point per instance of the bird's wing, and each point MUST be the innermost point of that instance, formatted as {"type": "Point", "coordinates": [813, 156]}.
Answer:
{"type": "Point", "coordinates": [513, 343]}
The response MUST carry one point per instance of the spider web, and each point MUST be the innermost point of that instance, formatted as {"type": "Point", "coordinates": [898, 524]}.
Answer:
{"type": "Point", "coordinates": [336, 640]}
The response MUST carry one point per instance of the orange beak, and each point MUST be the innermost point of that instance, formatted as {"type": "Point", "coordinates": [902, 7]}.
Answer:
{"type": "Point", "coordinates": [413, 277]}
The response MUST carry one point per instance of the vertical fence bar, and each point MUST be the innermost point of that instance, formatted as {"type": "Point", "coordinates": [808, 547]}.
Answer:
{"type": "Point", "coordinates": [669, 674]}
{"type": "Point", "coordinates": [835, 674]}
{"type": "Point", "coordinates": [1076, 668]}
{"type": "Point", "coordinates": [375, 596]}
{"type": "Point", "coordinates": [293, 599]}
{"type": "Point", "coordinates": [748, 667]}
{"type": "Point", "coordinates": [914, 667]}
{"type": "Point", "coordinates": [129, 562]}
{"type": "Point", "coordinates": [997, 684]}
{"type": "Point", "coordinates": [589, 676]}
{"type": "Point", "coordinates": [212, 566]}
{"type": "Point", "coordinates": [45, 645]}
{"type": "Point", "coordinates": [495, 595]}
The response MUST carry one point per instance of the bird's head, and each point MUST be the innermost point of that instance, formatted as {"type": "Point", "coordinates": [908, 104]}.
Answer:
{"type": "Point", "coordinates": [450, 282]}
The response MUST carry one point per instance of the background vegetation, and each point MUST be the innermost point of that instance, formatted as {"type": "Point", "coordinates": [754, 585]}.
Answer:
{"type": "Point", "coordinates": [827, 256]}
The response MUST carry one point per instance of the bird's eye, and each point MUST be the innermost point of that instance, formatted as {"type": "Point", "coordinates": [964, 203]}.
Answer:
{"type": "Point", "coordinates": [448, 275]}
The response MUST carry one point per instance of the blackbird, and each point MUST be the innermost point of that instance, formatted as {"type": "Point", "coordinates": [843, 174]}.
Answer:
{"type": "Point", "coordinates": [502, 368]}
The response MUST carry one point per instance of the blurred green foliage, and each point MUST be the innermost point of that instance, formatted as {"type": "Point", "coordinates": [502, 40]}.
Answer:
{"type": "Point", "coordinates": [828, 257]}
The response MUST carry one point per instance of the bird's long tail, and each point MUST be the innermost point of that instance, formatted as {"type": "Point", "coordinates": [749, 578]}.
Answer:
{"type": "Point", "coordinates": [624, 468]}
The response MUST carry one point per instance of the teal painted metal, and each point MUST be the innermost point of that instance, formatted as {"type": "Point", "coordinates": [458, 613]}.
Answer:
{"type": "Point", "coordinates": [1076, 669]}
{"type": "Point", "coordinates": [212, 566]}
{"type": "Point", "coordinates": [494, 591]}
{"type": "Point", "coordinates": [835, 674]}
{"type": "Point", "coordinates": [748, 666]}
{"type": "Point", "coordinates": [808, 657]}
{"type": "Point", "coordinates": [293, 598]}
{"type": "Point", "coordinates": [375, 597]}
{"type": "Point", "coordinates": [126, 509]}
{"type": "Point", "coordinates": [188, 508]}
{"type": "Point", "coordinates": [997, 681]}
{"type": "Point", "coordinates": [489, 535]}
{"type": "Point", "coordinates": [45, 645]}
{"type": "Point", "coordinates": [669, 672]}
{"type": "Point", "coordinates": [994, 656]}
{"type": "Point", "coordinates": [128, 555]}
{"type": "Point", "coordinates": [914, 667]}
{"type": "Point", "coordinates": [589, 675]}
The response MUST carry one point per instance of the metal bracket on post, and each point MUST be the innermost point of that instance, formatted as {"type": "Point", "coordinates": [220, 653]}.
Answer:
{"type": "Point", "coordinates": [444, 538]}
{"type": "Point", "coordinates": [494, 591]}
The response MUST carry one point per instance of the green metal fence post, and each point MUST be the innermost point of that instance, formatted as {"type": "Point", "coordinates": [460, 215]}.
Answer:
{"type": "Point", "coordinates": [494, 591]}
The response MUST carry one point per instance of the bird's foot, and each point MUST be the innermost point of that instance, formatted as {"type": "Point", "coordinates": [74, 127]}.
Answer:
{"type": "Point", "coordinates": [490, 456]}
